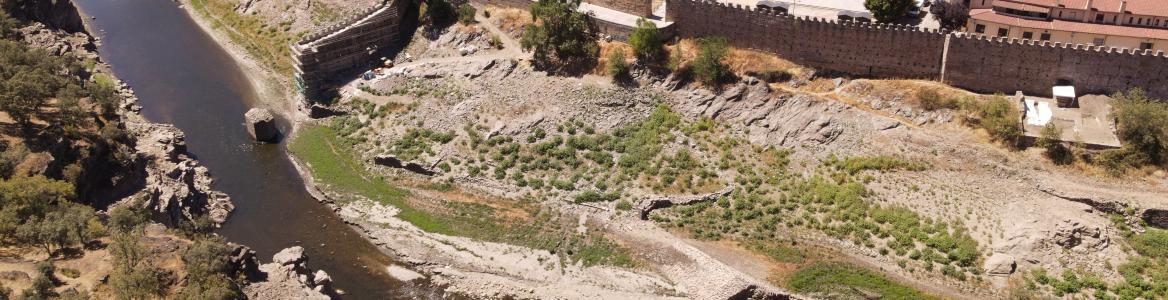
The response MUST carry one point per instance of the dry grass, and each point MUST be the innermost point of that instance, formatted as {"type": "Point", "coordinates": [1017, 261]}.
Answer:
{"type": "Point", "coordinates": [607, 48]}
{"type": "Point", "coordinates": [511, 20]}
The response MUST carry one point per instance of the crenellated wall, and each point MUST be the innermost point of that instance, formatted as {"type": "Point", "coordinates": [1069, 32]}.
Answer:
{"type": "Point", "coordinates": [346, 46]}
{"type": "Point", "coordinates": [863, 49]}
{"type": "Point", "coordinates": [1000, 65]}
{"type": "Point", "coordinates": [890, 51]}
{"type": "Point", "coordinates": [642, 8]}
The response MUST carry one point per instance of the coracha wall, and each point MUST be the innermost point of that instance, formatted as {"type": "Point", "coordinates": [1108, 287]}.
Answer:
{"type": "Point", "coordinates": [353, 43]}
{"type": "Point", "coordinates": [975, 63]}
{"type": "Point", "coordinates": [642, 8]}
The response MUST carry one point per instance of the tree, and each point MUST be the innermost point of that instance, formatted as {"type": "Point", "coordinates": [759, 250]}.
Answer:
{"type": "Point", "coordinates": [441, 12]}
{"type": "Point", "coordinates": [1143, 125]}
{"type": "Point", "coordinates": [8, 27]}
{"type": "Point", "coordinates": [208, 270]}
{"type": "Point", "coordinates": [646, 41]}
{"type": "Point", "coordinates": [131, 277]}
{"type": "Point", "coordinates": [560, 34]}
{"type": "Point", "coordinates": [887, 11]}
{"type": "Point", "coordinates": [708, 65]}
{"type": "Point", "coordinates": [124, 218]}
{"type": "Point", "coordinates": [616, 64]}
{"type": "Point", "coordinates": [1051, 140]}
{"type": "Point", "coordinates": [951, 14]}
{"type": "Point", "coordinates": [23, 95]}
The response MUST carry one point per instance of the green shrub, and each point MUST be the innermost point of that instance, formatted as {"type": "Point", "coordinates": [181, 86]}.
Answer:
{"type": "Point", "coordinates": [624, 205]}
{"type": "Point", "coordinates": [708, 65]}
{"type": "Point", "coordinates": [1143, 126]}
{"type": "Point", "coordinates": [560, 34]}
{"type": "Point", "coordinates": [1001, 120]}
{"type": "Point", "coordinates": [617, 67]}
{"type": "Point", "coordinates": [591, 196]}
{"type": "Point", "coordinates": [1051, 140]}
{"type": "Point", "coordinates": [1152, 243]}
{"type": "Point", "coordinates": [466, 14]}
{"type": "Point", "coordinates": [846, 282]}
{"type": "Point", "coordinates": [646, 41]}
{"type": "Point", "coordinates": [496, 42]}
{"type": "Point", "coordinates": [441, 12]}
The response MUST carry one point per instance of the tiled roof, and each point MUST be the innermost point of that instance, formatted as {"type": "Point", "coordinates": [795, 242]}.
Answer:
{"type": "Point", "coordinates": [989, 15]}
{"type": "Point", "coordinates": [1021, 6]}
{"type": "Point", "coordinates": [1138, 7]}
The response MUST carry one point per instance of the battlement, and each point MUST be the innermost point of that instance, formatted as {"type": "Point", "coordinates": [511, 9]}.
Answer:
{"type": "Point", "coordinates": [339, 25]}
{"type": "Point", "coordinates": [973, 61]}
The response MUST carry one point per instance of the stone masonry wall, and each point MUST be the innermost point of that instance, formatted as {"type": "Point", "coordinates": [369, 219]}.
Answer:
{"type": "Point", "coordinates": [975, 63]}
{"type": "Point", "coordinates": [520, 4]}
{"type": "Point", "coordinates": [642, 8]}
{"type": "Point", "coordinates": [357, 42]}
{"type": "Point", "coordinates": [856, 48]}
{"type": "Point", "coordinates": [998, 65]}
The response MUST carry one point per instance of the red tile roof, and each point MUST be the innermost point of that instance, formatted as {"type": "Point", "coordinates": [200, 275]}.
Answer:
{"type": "Point", "coordinates": [1021, 6]}
{"type": "Point", "coordinates": [1138, 7]}
{"type": "Point", "coordinates": [989, 15]}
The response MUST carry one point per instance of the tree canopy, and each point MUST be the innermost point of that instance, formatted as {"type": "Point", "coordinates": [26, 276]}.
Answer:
{"type": "Point", "coordinates": [886, 11]}
{"type": "Point", "coordinates": [560, 34]}
{"type": "Point", "coordinates": [646, 41]}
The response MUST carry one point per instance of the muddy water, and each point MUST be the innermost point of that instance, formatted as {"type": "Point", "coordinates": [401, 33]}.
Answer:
{"type": "Point", "coordinates": [183, 77]}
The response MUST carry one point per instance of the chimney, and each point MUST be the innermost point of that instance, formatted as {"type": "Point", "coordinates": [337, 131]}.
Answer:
{"type": "Point", "coordinates": [1122, 6]}
{"type": "Point", "coordinates": [1089, 3]}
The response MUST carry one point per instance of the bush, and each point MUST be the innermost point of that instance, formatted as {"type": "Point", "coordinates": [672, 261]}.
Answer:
{"type": "Point", "coordinates": [441, 12]}
{"type": "Point", "coordinates": [646, 41]}
{"type": "Point", "coordinates": [1143, 125]}
{"type": "Point", "coordinates": [708, 65]}
{"type": "Point", "coordinates": [616, 64]}
{"type": "Point", "coordinates": [1051, 140]}
{"type": "Point", "coordinates": [591, 196]}
{"type": "Point", "coordinates": [466, 14]}
{"type": "Point", "coordinates": [496, 41]}
{"type": "Point", "coordinates": [560, 34]}
{"type": "Point", "coordinates": [1001, 120]}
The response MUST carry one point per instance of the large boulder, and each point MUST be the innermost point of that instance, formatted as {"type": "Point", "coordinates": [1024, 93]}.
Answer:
{"type": "Point", "coordinates": [1000, 264]}
{"type": "Point", "coordinates": [290, 256]}
{"type": "Point", "coordinates": [1076, 235]}
{"type": "Point", "coordinates": [261, 124]}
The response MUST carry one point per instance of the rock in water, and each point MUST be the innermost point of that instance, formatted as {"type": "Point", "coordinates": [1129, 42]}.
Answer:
{"type": "Point", "coordinates": [261, 124]}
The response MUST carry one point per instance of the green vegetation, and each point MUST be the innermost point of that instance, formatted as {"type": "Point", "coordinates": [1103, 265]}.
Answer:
{"type": "Point", "coordinates": [888, 11]}
{"type": "Point", "coordinates": [333, 165]}
{"type": "Point", "coordinates": [1143, 128]}
{"type": "Point", "coordinates": [1152, 243]}
{"type": "Point", "coordinates": [207, 264]}
{"type": "Point", "coordinates": [39, 211]}
{"type": "Point", "coordinates": [646, 42]}
{"type": "Point", "coordinates": [1143, 274]}
{"type": "Point", "coordinates": [592, 196]}
{"type": "Point", "coordinates": [266, 42]}
{"type": "Point", "coordinates": [466, 14]}
{"type": "Point", "coordinates": [442, 13]}
{"type": "Point", "coordinates": [846, 282]}
{"type": "Point", "coordinates": [616, 64]}
{"type": "Point", "coordinates": [931, 99]}
{"type": "Point", "coordinates": [854, 165]}
{"type": "Point", "coordinates": [1001, 120]}
{"type": "Point", "coordinates": [708, 65]}
{"type": "Point", "coordinates": [560, 35]}
{"type": "Point", "coordinates": [495, 41]}
{"type": "Point", "coordinates": [1051, 140]}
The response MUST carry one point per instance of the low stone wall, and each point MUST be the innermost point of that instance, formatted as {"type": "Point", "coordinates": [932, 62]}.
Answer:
{"type": "Point", "coordinates": [345, 47]}
{"type": "Point", "coordinates": [642, 8]}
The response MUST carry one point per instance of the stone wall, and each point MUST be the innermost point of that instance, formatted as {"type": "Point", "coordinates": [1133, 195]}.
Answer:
{"type": "Point", "coordinates": [348, 46]}
{"type": "Point", "coordinates": [862, 49]}
{"type": "Point", "coordinates": [642, 8]}
{"type": "Point", "coordinates": [976, 63]}
{"type": "Point", "coordinates": [997, 65]}
{"type": "Point", "coordinates": [520, 4]}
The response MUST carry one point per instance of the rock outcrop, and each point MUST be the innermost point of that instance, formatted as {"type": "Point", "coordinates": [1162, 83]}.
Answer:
{"type": "Point", "coordinates": [394, 162]}
{"type": "Point", "coordinates": [261, 124]}
{"type": "Point", "coordinates": [57, 14]}
{"type": "Point", "coordinates": [288, 277]}
{"type": "Point", "coordinates": [1000, 264]}
{"type": "Point", "coordinates": [1076, 235]}
{"type": "Point", "coordinates": [175, 184]}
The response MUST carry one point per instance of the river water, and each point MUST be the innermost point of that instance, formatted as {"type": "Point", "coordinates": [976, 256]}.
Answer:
{"type": "Point", "coordinates": [183, 77]}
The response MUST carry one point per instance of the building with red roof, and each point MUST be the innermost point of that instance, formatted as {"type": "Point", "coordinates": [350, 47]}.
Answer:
{"type": "Point", "coordinates": [1131, 24]}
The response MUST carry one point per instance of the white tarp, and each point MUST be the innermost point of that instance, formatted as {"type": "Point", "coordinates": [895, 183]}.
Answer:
{"type": "Point", "coordinates": [1063, 91]}
{"type": "Point", "coordinates": [1037, 113]}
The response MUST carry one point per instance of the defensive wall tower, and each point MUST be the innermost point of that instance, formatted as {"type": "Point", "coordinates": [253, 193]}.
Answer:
{"type": "Point", "coordinates": [345, 46]}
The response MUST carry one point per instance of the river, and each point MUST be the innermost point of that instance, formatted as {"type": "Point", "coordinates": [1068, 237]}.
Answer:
{"type": "Point", "coordinates": [183, 77]}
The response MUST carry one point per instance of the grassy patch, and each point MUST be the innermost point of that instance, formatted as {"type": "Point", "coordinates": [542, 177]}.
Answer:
{"type": "Point", "coordinates": [265, 42]}
{"type": "Point", "coordinates": [519, 222]}
{"type": "Point", "coordinates": [1153, 243]}
{"type": "Point", "coordinates": [847, 282]}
